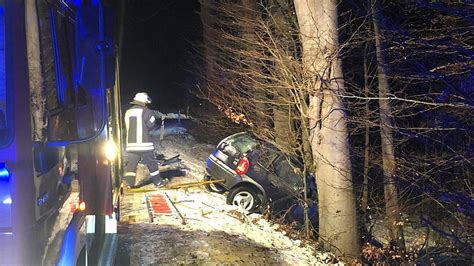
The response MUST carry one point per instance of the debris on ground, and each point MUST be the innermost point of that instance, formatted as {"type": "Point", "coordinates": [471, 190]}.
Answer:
{"type": "Point", "coordinates": [212, 232]}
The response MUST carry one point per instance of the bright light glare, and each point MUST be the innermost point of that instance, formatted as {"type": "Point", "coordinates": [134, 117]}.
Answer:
{"type": "Point", "coordinates": [4, 174]}
{"type": "Point", "coordinates": [7, 201]}
{"type": "Point", "coordinates": [110, 150]}
{"type": "Point", "coordinates": [82, 206]}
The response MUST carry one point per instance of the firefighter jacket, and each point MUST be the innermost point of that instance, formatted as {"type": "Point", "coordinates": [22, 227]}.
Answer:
{"type": "Point", "coordinates": [139, 121]}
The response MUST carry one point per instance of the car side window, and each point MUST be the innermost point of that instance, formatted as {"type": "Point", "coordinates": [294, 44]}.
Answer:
{"type": "Point", "coordinates": [260, 159]}
{"type": "Point", "coordinates": [288, 172]}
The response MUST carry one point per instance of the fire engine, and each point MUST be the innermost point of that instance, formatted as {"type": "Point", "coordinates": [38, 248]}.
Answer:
{"type": "Point", "coordinates": [60, 132]}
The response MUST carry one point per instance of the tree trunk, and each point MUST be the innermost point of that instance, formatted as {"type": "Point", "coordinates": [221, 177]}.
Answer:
{"type": "Point", "coordinates": [329, 136]}
{"type": "Point", "coordinates": [208, 36]}
{"type": "Point", "coordinates": [250, 14]}
{"type": "Point", "coordinates": [308, 162]}
{"type": "Point", "coordinates": [37, 98]}
{"type": "Point", "coordinates": [283, 110]}
{"type": "Point", "coordinates": [283, 126]}
{"type": "Point", "coordinates": [392, 207]}
{"type": "Point", "coordinates": [364, 201]}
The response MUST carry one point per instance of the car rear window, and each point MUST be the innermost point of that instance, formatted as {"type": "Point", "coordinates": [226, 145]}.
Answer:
{"type": "Point", "coordinates": [242, 143]}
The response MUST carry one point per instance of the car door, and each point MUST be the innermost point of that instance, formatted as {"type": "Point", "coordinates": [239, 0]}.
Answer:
{"type": "Point", "coordinates": [286, 179]}
{"type": "Point", "coordinates": [259, 170]}
{"type": "Point", "coordinates": [276, 190]}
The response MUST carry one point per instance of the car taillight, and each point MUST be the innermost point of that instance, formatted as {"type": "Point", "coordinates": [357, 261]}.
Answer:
{"type": "Point", "coordinates": [243, 166]}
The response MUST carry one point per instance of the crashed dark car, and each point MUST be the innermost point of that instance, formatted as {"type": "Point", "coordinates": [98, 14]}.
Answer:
{"type": "Point", "coordinates": [257, 175]}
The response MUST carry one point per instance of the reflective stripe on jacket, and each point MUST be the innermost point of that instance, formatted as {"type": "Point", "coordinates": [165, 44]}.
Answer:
{"type": "Point", "coordinates": [139, 120]}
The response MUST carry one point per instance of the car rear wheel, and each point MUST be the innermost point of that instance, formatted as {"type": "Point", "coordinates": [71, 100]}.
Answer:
{"type": "Point", "coordinates": [244, 197]}
{"type": "Point", "coordinates": [213, 187]}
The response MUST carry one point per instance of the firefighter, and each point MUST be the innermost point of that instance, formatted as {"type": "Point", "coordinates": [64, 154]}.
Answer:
{"type": "Point", "coordinates": [139, 121]}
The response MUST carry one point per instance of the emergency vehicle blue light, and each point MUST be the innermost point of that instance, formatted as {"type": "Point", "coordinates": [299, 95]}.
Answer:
{"type": "Point", "coordinates": [4, 174]}
{"type": "Point", "coordinates": [7, 201]}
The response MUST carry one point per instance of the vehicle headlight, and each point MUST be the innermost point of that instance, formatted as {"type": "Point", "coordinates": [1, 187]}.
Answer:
{"type": "Point", "coordinates": [110, 150]}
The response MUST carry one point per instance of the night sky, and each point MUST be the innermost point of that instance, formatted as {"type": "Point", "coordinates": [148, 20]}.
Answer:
{"type": "Point", "coordinates": [160, 39]}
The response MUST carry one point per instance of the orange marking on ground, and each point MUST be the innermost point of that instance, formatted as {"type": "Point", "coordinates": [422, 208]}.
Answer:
{"type": "Point", "coordinates": [158, 204]}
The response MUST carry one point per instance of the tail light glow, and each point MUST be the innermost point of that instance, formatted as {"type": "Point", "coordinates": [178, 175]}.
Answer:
{"type": "Point", "coordinates": [243, 166]}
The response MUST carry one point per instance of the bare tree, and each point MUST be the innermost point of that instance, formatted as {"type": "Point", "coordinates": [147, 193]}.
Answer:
{"type": "Point", "coordinates": [266, 61]}
{"type": "Point", "coordinates": [329, 136]}
{"type": "Point", "coordinates": [262, 80]}
{"type": "Point", "coordinates": [421, 104]}
{"type": "Point", "coordinates": [255, 79]}
{"type": "Point", "coordinates": [364, 200]}
{"type": "Point", "coordinates": [392, 207]}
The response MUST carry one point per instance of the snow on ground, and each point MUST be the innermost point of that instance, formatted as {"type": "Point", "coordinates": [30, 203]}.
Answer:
{"type": "Point", "coordinates": [210, 232]}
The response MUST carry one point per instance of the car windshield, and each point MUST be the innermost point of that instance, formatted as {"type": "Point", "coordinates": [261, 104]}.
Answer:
{"type": "Point", "coordinates": [290, 173]}
{"type": "Point", "coordinates": [243, 143]}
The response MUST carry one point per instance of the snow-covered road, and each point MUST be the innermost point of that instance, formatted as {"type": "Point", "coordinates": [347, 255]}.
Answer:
{"type": "Point", "coordinates": [201, 229]}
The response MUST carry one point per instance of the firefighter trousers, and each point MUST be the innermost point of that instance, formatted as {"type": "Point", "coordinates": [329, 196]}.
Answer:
{"type": "Point", "coordinates": [147, 158]}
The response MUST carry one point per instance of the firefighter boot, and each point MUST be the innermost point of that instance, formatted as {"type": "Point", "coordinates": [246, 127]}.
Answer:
{"type": "Point", "coordinates": [159, 181]}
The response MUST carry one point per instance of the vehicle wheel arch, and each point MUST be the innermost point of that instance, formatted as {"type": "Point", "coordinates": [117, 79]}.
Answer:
{"type": "Point", "coordinates": [216, 188]}
{"type": "Point", "coordinates": [256, 187]}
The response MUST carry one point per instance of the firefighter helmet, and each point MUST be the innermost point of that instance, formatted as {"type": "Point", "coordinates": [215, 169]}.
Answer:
{"type": "Point", "coordinates": [142, 97]}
